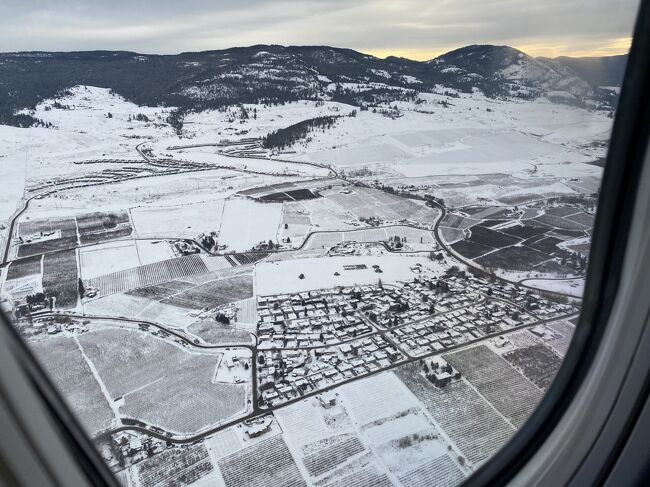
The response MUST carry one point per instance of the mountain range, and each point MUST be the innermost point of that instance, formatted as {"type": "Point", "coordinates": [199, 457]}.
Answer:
{"type": "Point", "coordinates": [275, 74]}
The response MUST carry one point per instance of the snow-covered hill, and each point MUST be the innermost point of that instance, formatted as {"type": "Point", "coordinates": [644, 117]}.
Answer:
{"type": "Point", "coordinates": [272, 73]}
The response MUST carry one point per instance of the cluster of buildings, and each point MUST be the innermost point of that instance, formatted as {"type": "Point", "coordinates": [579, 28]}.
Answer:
{"type": "Point", "coordinates": [311, 340]}
{"type": "Point", "coordinates": [453, 328]}
{"type": "Point", "coordinates": [288, 374]}
{"type": "Point", "coordinates": [308, 319]}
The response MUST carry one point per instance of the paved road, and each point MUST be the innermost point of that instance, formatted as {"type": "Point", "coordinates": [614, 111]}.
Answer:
{"type": "Point", "coordinates": [262, 411]}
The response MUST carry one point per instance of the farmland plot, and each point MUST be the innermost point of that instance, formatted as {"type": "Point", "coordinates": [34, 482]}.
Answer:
{"type": "Point", "coordinates": [565, 331]}
{"type": "Point", "coordinates": [560, 222]}
{"type": "Point", "coordinates": [369, 476]}
{"type": "Point", "coordinates": [366, 399]}
{"type": "Point", "coordinates": [147, 275]}
{"type": "Point", "coordinates": [25, 267]}
{"type": "Point", "coordinates": [303, 422]}
{"type": "Point", "coordinates": [547, 245]}
{"type": "Point", "coordinates": [406, 441]}
{"type": "Point", "coordinates": [266, 463]}
{"type": "Point", "coordinates": [562, 211]}
{"type": "Point", "coordinates": [52, 234]}
{"type": "Point", "coordinates": [459, 222]}
{"type": "Point", "coordinates": [135, 307]}
{"type": "Point", "coordinates": [246, 223]}
{"type": "Point", "coordinates": [224, 443]}
{"type": "Point", "coordinates": [296, 218]}
{"type": "Point", "coordinates": [215, 333]}
{"type": "Point", "coordinates": [162, 384]}
{"type": "Point", "coordinates": [513, 258]}
{"type": "Point", "coordinates": [104, 259]}
{"type": "Point", "coordinates": [96, 227]}
{"type": "Point", "coordinates": [215, 293]}
{"type": "Point", "coordinates": [470, 250]}
{"type": "Point", "coordinates": [582, 218]}
{"type": "Point", "coordinates": [491, 238]}
{"type": "Point", "coordinates": [451, 235]}
{"type": "Point", "coordinates": [324, 240]}
{"type": "Point", "coordinates": [441, 472]}
{"type": "Point", "coordinates": [24, 277]}
{"type": "Point", "coordinates": [188, 220]}
{"type": "Point", "coordinates": [537, 362]}
{"type": "Point", "coordinates": [65, 364]}
{"type": "Point", "coordinates": [60, 278]}
{"type": "Point", "coordinates": [120, 255]}
{"type": "Point", "coordinates": [505, 388]}
{"type": "Point", "coordinates": [368, 202]}
{"type": "Point", "coordinates": [334, 454]}
{"type": "Point", "coordinates": [471, 423]}
{"type": "Point", "coordinates": [525, 231]}
{"type": "Point", "coordinates": [178, 467]}
{"type": "Point", "coordinates": [163, 290]}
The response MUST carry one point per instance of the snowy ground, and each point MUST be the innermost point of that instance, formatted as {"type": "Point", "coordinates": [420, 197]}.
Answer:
{"type": "Point", "coordinates": [319, 273]}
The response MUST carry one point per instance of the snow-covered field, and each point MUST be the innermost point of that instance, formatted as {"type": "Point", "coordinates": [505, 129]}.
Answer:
{"type": "Point", "coordinates": [103, 259]}
{"type": "Point", "coordinates": [319, 273]}
{"type": "Point", "coordinates": [246, 223]}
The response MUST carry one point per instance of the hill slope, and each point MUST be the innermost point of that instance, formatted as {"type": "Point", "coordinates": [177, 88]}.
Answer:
{"type": "Point", "coordinates": [272, 73]}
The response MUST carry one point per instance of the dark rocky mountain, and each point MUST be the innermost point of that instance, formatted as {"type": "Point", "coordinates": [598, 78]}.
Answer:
{"type": "Point", "coordinates": [275, 74]}
{"type": "Point", "coordinates": [599, 71]}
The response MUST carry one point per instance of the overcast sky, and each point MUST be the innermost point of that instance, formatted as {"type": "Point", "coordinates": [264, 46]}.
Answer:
{"type": "Point", "coordinates": [418, 29]}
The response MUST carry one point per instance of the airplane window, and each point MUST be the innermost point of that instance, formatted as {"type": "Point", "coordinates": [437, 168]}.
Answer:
{"type": "Point", "coordinates": [350, 254]}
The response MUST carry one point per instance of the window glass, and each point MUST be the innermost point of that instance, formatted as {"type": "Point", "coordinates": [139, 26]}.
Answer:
{"type": "Point", "coordinates": [351, 254]}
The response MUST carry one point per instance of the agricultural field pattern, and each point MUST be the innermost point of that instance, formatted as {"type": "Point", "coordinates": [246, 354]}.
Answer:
{"type": "Point", "coordinates": [380, 301]}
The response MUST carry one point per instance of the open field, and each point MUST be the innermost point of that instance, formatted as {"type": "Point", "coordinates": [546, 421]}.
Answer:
{"type": "Point", "coordinates": [65, 364]}
{"type": "Point", "coordinates": [160, 383]}
{"type": "Point", "coordinates": [105, 259]}
{"type": "Point", "coordinates": [246, 223]}
{"type": "Point", "coordinates": [506, 389]}
{"type": "Point", "coordinates": [416, 239]}
{"type": "Point", "coordinates": [136, 307]}
{"type": "Point", "coordinates": [188, 220]}
{"type": "Point", "coordinates": [116, 256]}
{"type": "Point", "coordinates": [369, 202]}
{"type": "Point", "coordinates": [284, 276]}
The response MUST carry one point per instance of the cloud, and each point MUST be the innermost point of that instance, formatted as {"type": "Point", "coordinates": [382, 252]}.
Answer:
{"type": "Point", "coordinates": [412, 28]}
